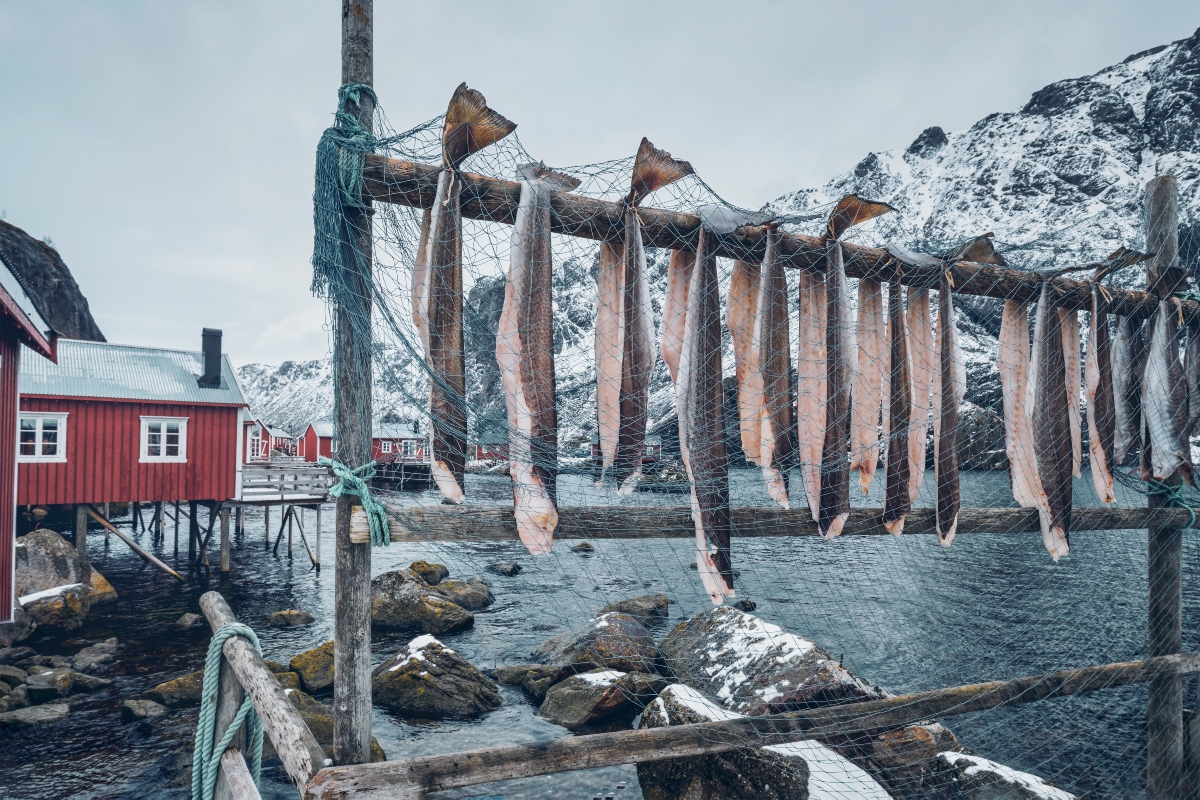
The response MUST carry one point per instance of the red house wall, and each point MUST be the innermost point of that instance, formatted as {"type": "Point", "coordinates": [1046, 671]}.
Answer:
{"type": "Point", "coordinates": [308, 445]}
{"type": "Point", "coordinates": [9, 352]}
{"type": "Point", "coordinates": [103, 438]}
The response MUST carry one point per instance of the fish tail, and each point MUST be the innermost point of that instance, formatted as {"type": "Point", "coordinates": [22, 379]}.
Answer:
{"type": "Point", "coordinates": [540, 172]}
{"type": "Point", "coordinates": [777, 486]}
{"type": "Point", "coordinates": [630, 483]}
{"type": "Point", "coordinates": [654, 169]}
{"type": "Point", "coordinates": [852, 210]}
{"type": "Point", "coordinates": [835, 526]}
{"type": "Point", "coordinates": [447, 484]}
{"type": "Point", "coordinates": [470, 126]}
{"type": "Point", "coordinates": [895, 527]}
{"type": "Point", "coordinates": [946, 537]}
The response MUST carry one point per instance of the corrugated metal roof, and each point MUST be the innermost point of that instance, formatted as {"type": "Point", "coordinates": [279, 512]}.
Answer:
{"type": "Point", "coordinates": [381, 430]}
{"type": "Point", "coordinates": [127, 372]}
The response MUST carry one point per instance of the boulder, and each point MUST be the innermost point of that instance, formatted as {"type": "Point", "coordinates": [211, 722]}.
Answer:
{"type": "Point", "coordinates": [428, 679]}
{"type": "Point", "coordinates": [599, 696]}
{"type": "Point", "coordinates": [50, 685]}
{"type": "Point", "coordinates": [189, 622]}
{"type": "Point", "coordinates": [756, 667]}
{"type": "Point", "coordinates": [745, 604]}
{"type": "Point", "coordinates": [319, 719]}
{"type": "Point", "coordinates": [90, 683]}
{"type": "Point", "coordinates": [133, 710]}
{"type": "Point", "coordinates": [96, 656]}
{"type": "Point", "coordinates": [10, 655]}
{"type": "Point", "coordinates": [907, 759]}
{"type": "Point", "coordinates": [34, 715]}
{"type": "Point", "coordinates": [178, 692]}
{"type": "Point", "coordinates": [18, 698]}
{"type": "Point", "coordinates": [12, 675]}
{"type": "Point", "coordinates": [507, 570]}
{"type": "Point", "coordinates": [288, 680]}
{"type": "Point", "coordinates": [583, 547]}
{"type": "Point", "coordinates": [402, 600]}
{"type": "Point", "coordinates": [18, 630]}
{"type": "Point", "coordinates": [315, 668]}
{"type": "Point", "coordinates": [737, 773]}
{"type": "Point", "coordinates": [472, 594]}
{"type": "Point", "coordinates": [44, 560]}
{"type": "Point", "coordinates": [5, 689]}
{"type": "Point", "coordinates": [611, 641]}
{"type": "Point", "coordinates": [648, 608]}
{"type": "Point", "coordinates": [968, 777]}
{"type": "Point", "coordinates": [61, 607]}
{"type": "Point", "coordinates": [290, 619]}
{"type": "Point", "coordinates": [432, 573]}
{"type": "Point", "coordinates": [275, 666]}
{"type": "Point", "coordinates": [535, 679]}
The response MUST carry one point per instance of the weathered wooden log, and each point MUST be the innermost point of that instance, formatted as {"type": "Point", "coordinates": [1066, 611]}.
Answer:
{"type": "Point", "coordinates": [293, 741]}
{"type": "Point", "coordinates": [108, 526]}
{"type": "Point", "coordinates": [412, 778]}
{"type": "Point", "coordinates": [408, 183]}
{"type": "Point", "coordinates": [238, 780]}
{"type": "Point", "coordinates": [467, 523]}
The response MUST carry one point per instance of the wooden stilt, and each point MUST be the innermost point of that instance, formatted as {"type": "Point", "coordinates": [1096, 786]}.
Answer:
{"type": "Point", "coordinates": [193, 531]}
{"type": "Point", "coordinates": [158, 517]}
{"type": "Point", "coordinates": [290, 513]}
{"type": "Point", "coordinates": [352, 387]}
{"type": "Point", "coordinates": [132, 544]}
{"type": "Point", "coordinates": [318, 537]}
{"type": "Point", "coordinates": [1164, 712]}
{"type": "Point", "coordinates": [176, 528]}
{"type": "Point", "coordinates": [224, 540]}
{"type": "Point", "coordinates": [267, 524]}
{"type": "Point", "coordinates": [81, 519]}
{"type": "Point", "coordinates": [299, 520]}
{"type": "Point", "coordinates": [240, 524]}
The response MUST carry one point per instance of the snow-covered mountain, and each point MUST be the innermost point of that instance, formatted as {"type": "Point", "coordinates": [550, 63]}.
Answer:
{"type": "Point", "coordinates": [1058, 181]}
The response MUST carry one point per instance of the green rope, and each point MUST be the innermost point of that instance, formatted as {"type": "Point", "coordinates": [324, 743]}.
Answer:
{"type": "Point", "coordinates": [354, 482]}
{"type": "Point", "coordinates": [1173, 495]}
{"type": "Point", "coordinates": [206, 758]}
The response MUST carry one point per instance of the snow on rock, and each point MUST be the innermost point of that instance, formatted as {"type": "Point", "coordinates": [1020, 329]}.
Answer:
{"type": "Point", "coordinates": [830, 775]}
{"type": "Point", "coordinates": [981, 775]}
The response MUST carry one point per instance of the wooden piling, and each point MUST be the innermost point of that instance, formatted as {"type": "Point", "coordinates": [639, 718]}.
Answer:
{"type": "Point", "coordinates": [1164, 724]}
{"type": "Point", "coordinates": [267, 525]}
{"type": "Point", "coordinates": [81, 520]}
{"type": "Point", "coordinates": [193, 531]}
{"type": "Point", "coordinates": [224, 540]}
{"type": "Point", "coordinates": [318, 537]}
{"type": "Point", "coordinates": [289, 514]}
{"type": "Point", "coordinates": [229, 699]}
{"type": "Point", "coordinates": [176, 528]}
{"type": "Point", "coordinates": [352, 385]}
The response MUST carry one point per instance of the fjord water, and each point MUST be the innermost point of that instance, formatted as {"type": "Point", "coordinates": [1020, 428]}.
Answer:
{"type": "Point", "coordinates": [905, 614]}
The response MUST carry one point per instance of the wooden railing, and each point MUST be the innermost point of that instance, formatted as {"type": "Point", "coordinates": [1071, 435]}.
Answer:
{"type": "Point", "coordinates": [299, 480]}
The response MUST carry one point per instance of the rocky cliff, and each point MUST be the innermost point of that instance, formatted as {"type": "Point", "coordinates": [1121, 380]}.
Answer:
{"type": "Point", "coordinates": [45, 277]}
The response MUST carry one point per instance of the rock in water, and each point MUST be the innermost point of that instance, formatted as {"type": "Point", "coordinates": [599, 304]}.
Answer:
{"type": "Point", "coordinates": [290, 619]}
{"type": "Point", "coordinates": [34, 715]}
{"type": "Point", "coordinates": [757, 667]}
{"type": "Point", "coordinates": [11, 655]}
{"type": "Point", "coordinates": [536, 679]}
{"type": "Point", "coordinates": [402, 600]}
{"type": "Point", "coordinates": [190, 622]}
{"type": "Point", "coordinates": [178, 692]}
{"type": "Point", "coordinates": [432, 573]}
{"type": "Point", "coordinates": [96, 656]}
{"type": "Point", "coordinates": [133, 710]}
{"type": "Point", "coordinates": [62, 607]}
{"type": "Point", "coordinates": [315, 667]}
{"type": "Point", "coordinates": [908, 758]}
{"type": "Point", "coordinates": [318, 717]}
{"type": "Point", "coordinates": [427, 679]}
{"type": "Point", "coordinates": [507, 570]}
{"type": "Point", "coordinates": [972, 776]}
{"type": "Point", "coordinates": [45, 560]}
{"type": "Point", "coordinates": [43, 687]}
{"type": "Point", "coordinates": [648, 608]}
{"type": "Point", "coordinates": [11, 675]}
{"type": "Point", "coordinates": [597, 696]}
{"type": "Point", "coordinates": [90, 683]}
{"type": "Point", "coordinates": [19, 698]}
{"type": "Point", "coordinates": [19, 629]}
{"type": "Point", "coordinates": [472, 594]}
{"type": "Point", "coordinates": [611, 641]}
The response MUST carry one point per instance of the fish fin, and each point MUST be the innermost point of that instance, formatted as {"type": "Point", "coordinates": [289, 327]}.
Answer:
{"type": "Point", "coordinates": [470, 126]}
{"type": "Point", "coordinates": [776, 481]}
{"type": "Point", "coordinates": [654, 169]}
{"type": "Point", "coordinates": [947, 538]}
{"type": "Point", "coordinates": [447, 484]}
{"type": "Point", "coordinates": [835, 526]}
{"type": "Point", "coordinates": [895, 527]}
{"type": "Point", "coordinates": [555, 179]}
{"type": "Point", "coordinates": [630, 483]}
{"type": "Point", "coordinates": [979, 250]}
{"type": "Point", "coordinates": [850, 211]}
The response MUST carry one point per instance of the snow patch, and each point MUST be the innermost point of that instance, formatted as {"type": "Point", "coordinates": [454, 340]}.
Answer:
{"type": "Point", "coordinates": [830, 776]}
{"type": "Point", "coordinates": [1030, 783]}
{"type": "Point", "coordinates": [605, 678]}
{"type": "Point", "coordinates": [697, 703]}
{"type": "Point", "coordinates": [42, 595]}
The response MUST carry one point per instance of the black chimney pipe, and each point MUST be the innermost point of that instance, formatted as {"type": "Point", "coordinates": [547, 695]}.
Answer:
{"type": "Point", "coordinates": [211, 338]}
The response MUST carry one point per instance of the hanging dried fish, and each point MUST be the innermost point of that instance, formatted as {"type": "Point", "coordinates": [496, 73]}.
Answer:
{"type": "Point", "coordinates": [679, 276]}
{"type": "Point", "coordinates": [1014, 381]}
{"type": "Point", "coordinates": [625, 351]}
{"type": "Point", "coordinates": [1165, 400]}
{"type": "Point", "coordinates": [1101, 418]}
{"type": "Point", "coordinates": [420, 282]}
{"type": "Point", "coordinates": [741, 311]}
{"type": "Point", "coordinates": [773, 350]}
{"type": "Point", "coordinates": [1050, 425]}
{"type": "Point", "coordinates": [898, 471]}
{"type": "Point", "coordinates": [525, 355]}
{"type": "Point", "coordinates": [1129, 359]}
{"type": "Point", "coordinates": [811, 386]}
{"type": "Point", "coordinates": [949, 390]}
{"type": "Point", "coordinates": [868, 381]}
{"type": "Point", "coordinates": [839, 372]}
{"type": "Point", "coordinates": [469, 127]}
{"type": "Point", "coordinates": [1191, 373]}
{"type": "Point", "coordinates": [699, 403]}
{"type": "Point", "coordinates": [1070, 334]}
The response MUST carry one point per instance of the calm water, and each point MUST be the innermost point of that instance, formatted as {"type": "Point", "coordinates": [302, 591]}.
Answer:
{"type": "Point", "coordinates": [905, 614]}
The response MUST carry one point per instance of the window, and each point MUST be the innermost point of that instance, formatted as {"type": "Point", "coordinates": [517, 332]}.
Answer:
{"type": "Point", "coordinates": [386, 447]}
{"type": "Point", "coordinates": [42, 437]}
{"type": "Point", "coordinates": [164, 439]}
{"type": "Point", "coordinates": [409, 447]}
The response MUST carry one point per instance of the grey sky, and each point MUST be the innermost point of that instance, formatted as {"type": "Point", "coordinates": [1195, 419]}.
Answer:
{"type": "Point", "coordinates": [167, 148]}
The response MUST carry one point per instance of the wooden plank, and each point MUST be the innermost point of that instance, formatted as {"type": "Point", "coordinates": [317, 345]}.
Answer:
{"type": "Point", "coordinates": [412, 184]}
{"type": "Point", "coordinates": [413, 777]}
{"type": "Point", "coordinates": [352, 388]}
{"type": "Point", "coordinates": [237, 778]}
{"type": "Point", "coordinates": [297, 747]}
{"type": "Point", "coordinates": [108, 526]}
{"type": "Point", "coordinates": [467, 523]}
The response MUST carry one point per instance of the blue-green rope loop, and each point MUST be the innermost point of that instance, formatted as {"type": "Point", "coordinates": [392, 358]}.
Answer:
{"type": "Point", "coordinates": [206, 757]}
{"type": "Point", "coordinates": [354, 482]}
{"type": "Point", "coordinates": [1173, 495]}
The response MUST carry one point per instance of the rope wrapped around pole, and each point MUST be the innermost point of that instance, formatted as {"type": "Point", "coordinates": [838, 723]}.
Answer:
{"type": "Point", "coordinates": [354, 482]}
{"type": "Point", "coordinates": [206, 758]}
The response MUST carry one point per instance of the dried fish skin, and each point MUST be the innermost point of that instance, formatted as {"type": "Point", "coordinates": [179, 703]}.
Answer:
{"type": "Point", "coordinates": [897, 502]}
{"type": "Point", "coordinates": [1051, 422]}
{"type": "Point", "coordinates": [741, 312]}
{"type": "Point", "coordinates": [1101, 416]}
{"type": "Point", "coordinates": [1070, 336]}
{"type": "Point", "coordinates": [679, 276]}
{"type": "Point", "coordinates": [835, 452]}
{"type": "Point", "coordinates": [1014, 371]}
{"type": "Point", "coordinates": [923, 356]}
{"type": "Point", "coordinates": [1129, 358]}
{"type": "Point", "coordinates": [1164, 399]}
{"type": "Point", "coordinates": [811, 387]}
{"type": "Point", "coordinates": [868, 381]}
{"type": "Point", "coordinates": [771, 341]}
{"type": "Point", "coordinates": [948, 394]}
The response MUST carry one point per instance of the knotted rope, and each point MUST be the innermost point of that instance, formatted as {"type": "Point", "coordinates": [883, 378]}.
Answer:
{"type": "Point", "coordinates": [1173, 495]}
{"type": "Point", "coordinates": [206, 758]}
{"type": "Point", "coordinates": [354, 482]}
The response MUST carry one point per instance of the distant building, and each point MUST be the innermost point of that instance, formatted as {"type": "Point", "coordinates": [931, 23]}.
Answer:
{"type": "Point", "coordinates": [653, 449]}
{"type": "Point", "coordinates": [390, 442]}
{"type": "Point", "coordinates": [260, 442]}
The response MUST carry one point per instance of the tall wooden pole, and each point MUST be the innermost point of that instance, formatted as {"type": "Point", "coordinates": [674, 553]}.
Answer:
{"type": "Point", "coordinates": [1164, 728]}
{"type": "Point", "coordinates": [81, 521]}
{"type": "Point", "coordinates": [352, 395]}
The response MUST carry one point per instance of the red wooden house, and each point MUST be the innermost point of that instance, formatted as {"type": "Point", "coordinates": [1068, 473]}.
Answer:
{"type": "Point", "coordinates": [120, 423]}
{"type": "Point", "coordinates": [260, 442]}
{"type": "Point", "coordinates": [390, 442]}
{"type": "Point", "coordinates": [21, 322]}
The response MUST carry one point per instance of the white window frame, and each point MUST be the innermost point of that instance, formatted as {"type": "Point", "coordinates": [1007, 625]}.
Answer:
{"type": "Point", "coordinates": [143, 442]}
{"type": "Point", "coordinates": [386, 446]}
{"type": "Point", "coordinates": [61, 456]}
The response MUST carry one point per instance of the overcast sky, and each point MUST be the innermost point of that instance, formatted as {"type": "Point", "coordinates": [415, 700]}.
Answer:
{"type": "Point", "coordinates": [167, 147]}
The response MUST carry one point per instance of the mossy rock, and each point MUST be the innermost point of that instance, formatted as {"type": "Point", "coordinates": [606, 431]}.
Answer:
{"type": "Point", "coordinates": [427, 679]}
{"type": "Point", "coordinates": [178, 692]}
{"type": "Point", "coordinates": [319, 719]}
{"type": "Point", "coordinates": [315, 668]}
{"type": "Point", "coordinates": [433, 573]}
{"type": "Point", "coordinates": [472, 594]}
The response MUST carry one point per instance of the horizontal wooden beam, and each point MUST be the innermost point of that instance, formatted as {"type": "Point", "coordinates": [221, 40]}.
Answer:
{"type": "Point", "coordinates": [413, 184]}
{"type": "Point", "coordinates": [413, 777]}
{"type": "Point", "coordinates": [475, 523]}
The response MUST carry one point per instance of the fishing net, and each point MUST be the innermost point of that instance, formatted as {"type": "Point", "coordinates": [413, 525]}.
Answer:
{"type": "Point", "coordinates": [858, 617]}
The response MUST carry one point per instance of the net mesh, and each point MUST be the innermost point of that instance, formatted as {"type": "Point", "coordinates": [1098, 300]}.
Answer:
{"type": "Point", "coordinates": [834, 620]}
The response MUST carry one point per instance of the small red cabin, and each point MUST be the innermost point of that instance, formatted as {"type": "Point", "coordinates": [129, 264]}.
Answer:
{"type": "Point", "coordinates": [390, 442]}
{"type": "Point", "coordinates": [260, 442]}
{"type": "Point", "coordinates": [119, 423]}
